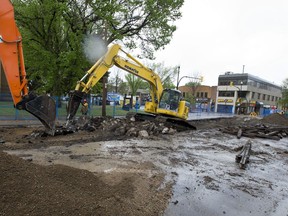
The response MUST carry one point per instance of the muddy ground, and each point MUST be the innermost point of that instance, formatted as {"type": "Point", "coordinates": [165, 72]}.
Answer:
{"type": "Point", "coordinates": [112, 167]}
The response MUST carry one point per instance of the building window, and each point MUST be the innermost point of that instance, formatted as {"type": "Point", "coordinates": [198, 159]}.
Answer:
{"type": "Point", "coordinates": [268, 97]}
{"type": "Point", "coordinates": [259, 95]}
{"type": "Point", "coordinates": [184, 94]}
{"type": "Point", "coordinates": [198, 95]}
{"type": "Point", "coordinates": [272, 99]}
{"type": "Point", "coordinates": [206, 94]}
{"type": "Point", "coordinates": [276, 98]}
{"type": "Point", "coordinates": [226, 93]}
{"type": "Point", "coordinates": [263, 97]}
{"type": "Point", "coordinates": [253, 94]}
{"type": "Point", "coordinates": [224, 83]}
{"type": "Point", "coordinates": [201, 94]}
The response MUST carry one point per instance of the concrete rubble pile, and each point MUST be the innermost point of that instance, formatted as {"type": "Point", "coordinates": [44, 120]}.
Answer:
{"type": "Point", "coordinates": [273, 127]}
{"type": "Point", "coordinates": [124, 126]}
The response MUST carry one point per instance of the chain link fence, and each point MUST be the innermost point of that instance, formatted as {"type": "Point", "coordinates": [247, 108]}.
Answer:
{"type": "Point", "coordinates": [8, 112]}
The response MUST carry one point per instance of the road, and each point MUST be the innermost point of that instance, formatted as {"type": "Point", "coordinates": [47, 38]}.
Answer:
{"type": "Point", "coordinates": [199, 164]}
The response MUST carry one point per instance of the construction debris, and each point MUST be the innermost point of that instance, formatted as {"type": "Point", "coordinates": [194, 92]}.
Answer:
{"type": "Point", "coordinates": [273, 127]}
{"type": "Point", "coordinates": [260, 131]}
{"type": "Point", "coordinates": [275, 119]}
{"type": "Point", "coordinates": [130, 126]}
{"type": "Point", "coordinates": [127, 176]}
{"type": "Point", "coordinates": [243, 157]}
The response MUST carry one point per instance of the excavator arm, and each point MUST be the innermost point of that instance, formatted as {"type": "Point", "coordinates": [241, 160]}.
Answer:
{"type": "Point", "coordinates": [133, 66]}
{"type": "Point", "coordinates": [12, 59]}
{"type": "Point", "coordinates": [100, 68]}
{"type": "Point", "coordinates": [11, 53]}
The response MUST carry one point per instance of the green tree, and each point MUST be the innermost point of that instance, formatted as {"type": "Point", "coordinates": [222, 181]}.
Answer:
{"type": "Point", "coordinates": [167, 74]}
{"type": "Point", "coordinates": [133, 82]}
{"type": "Point", "coordinates": [193, 85]}
{"type": "Point", "coordinates": [53, 54]}
{"type": "Point", "coordinates": [284, 99]}
{"type": "Point", "coordinates": [53, 32]}
{"type": "Point", "coordinates": [190, 96]}
{"type": "Point", "coordinates": [123, 88]}
{"type": "Point", "coordinates": [114, 83]}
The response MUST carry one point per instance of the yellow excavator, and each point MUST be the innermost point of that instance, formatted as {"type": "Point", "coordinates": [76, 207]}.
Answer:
{"type": "Point", "coordinates": [164, 102]}
{"type": "Point", "coordinates": [12, 59]}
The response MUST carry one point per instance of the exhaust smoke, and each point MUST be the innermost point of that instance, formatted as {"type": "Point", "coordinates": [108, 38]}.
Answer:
{"type": "Point", "coordinates": [94, 47]}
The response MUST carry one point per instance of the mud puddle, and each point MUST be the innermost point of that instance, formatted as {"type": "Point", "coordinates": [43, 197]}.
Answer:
{"type": "Point", "coordinates": [216, 185]}
{"type": "Point", "coordinates": [207, 181]}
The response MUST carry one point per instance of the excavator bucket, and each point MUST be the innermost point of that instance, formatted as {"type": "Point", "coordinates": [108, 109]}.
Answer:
{"type": "Point", "coordinates": [74, 102]}
{"type": "Point", "coordinates": [44, 108]}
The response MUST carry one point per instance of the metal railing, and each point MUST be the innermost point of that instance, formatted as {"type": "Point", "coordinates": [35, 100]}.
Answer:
{"type": "Point", "coordinates": [8, 112]}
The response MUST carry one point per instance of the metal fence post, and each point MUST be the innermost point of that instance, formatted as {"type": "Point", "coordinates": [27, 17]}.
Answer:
{"type": "Point", "coordinates": [16, 114]}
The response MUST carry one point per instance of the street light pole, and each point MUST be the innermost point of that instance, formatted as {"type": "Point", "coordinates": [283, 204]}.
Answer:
{"type": "Point", "coordinates": [240, 90]}
{"type": "Point", "coordinates": [178, 81]}
{"type": "Point", "coordinates": [178, 77]}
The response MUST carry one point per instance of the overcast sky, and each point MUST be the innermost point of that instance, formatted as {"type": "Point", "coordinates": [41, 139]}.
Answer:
{"type": "Point", "coordinates": [215, 36]}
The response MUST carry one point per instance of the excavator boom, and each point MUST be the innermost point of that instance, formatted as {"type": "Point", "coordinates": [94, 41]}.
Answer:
{"type": "Point", "coordinates": [12, 59]}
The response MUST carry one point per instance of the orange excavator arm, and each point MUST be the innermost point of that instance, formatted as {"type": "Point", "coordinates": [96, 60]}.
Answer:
{"type": "Point", "coordinates": [11, 57]}
{"type": "Point", "coordinates": [11, 54]}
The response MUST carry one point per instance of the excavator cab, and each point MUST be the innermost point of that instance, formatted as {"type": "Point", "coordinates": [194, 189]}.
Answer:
{"type": "Point", "coordinates": [171, 104]}
{"type": "Point", "coordinates": [170, 99]}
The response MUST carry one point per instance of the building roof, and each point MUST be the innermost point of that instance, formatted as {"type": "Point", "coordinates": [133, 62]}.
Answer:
{"type": "Point", "coordinates": [247, 76]}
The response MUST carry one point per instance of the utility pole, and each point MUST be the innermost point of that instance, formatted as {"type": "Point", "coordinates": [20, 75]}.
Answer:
{"type": "Point", "coordinates": [243, 68]}
{"type": "Point", "coordinates": [104, 94]}
{"type": "Point", "coordinates": [178, 77]}
{"type": "Point", "coordinates": [105, 77]}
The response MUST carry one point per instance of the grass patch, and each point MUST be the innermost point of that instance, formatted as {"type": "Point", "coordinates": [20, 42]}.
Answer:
{"type": "Point", "coordinates": [7, 110]}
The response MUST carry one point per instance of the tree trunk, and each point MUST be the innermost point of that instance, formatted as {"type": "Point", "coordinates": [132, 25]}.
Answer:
{"type": "Point", "coordinates": [104, 94]}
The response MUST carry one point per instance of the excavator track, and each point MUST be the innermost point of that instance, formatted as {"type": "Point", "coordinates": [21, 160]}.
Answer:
{"type": "Point", "coordinates": [179, 124]}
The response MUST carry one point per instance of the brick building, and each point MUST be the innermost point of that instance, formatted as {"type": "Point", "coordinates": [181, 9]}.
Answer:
{"type": "Point", "coordinates": [205, 96]}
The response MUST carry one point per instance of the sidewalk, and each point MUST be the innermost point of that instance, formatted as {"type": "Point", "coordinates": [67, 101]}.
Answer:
{"type": "Point", "coordinates": [192, 116]}
{"type": "Point", "coordinates": [208, 115]}
{"type": "Point", "coordinates": [19, 123]}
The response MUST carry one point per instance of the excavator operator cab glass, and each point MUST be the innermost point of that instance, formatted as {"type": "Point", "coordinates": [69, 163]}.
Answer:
{"type": "Point", "coordinates": [170, 99]}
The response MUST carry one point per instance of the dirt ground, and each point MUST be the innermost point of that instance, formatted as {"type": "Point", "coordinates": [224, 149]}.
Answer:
{"type": "Point", "coordinates": [111, 167]}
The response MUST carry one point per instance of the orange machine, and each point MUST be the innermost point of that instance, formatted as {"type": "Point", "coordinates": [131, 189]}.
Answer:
{"type": "Point", "coordinates": [11, 56]}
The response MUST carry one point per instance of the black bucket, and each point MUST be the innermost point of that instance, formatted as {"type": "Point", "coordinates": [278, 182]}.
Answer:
{"type": "Point", "coordinates": [74, 102]}
{"type": "Point", "coordinates": [44, 108]}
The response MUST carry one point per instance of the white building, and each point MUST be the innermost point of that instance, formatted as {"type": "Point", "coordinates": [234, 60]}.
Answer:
{"type": "Point", "coordinates": [245, 93]}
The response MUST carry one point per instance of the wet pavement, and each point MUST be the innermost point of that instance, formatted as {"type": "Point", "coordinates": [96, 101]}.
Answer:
{"type": "Point", "coordinates": [201, 164]}
{"type": "Point", "coordinates": [217, 186]}
{"type": "Point", "coordinates": [208, 115]}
